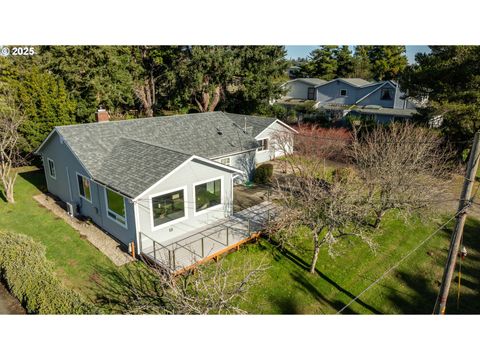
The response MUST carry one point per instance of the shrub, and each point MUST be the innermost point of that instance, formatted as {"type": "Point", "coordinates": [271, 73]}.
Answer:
{"type": "Point", "coordinates": [31, 278]}
{"type": "Point", "coordinates": [263, 174]}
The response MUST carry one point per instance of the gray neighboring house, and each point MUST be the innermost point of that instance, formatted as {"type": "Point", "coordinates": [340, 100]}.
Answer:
{"type": "Point", "coordinates": [381, 101]}
{"type": "Point", "coordinates": [162, 177]}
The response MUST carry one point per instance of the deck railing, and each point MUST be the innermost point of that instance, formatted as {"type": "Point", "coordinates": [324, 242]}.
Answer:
{"type": "Point", "coordinates": [199, 245]}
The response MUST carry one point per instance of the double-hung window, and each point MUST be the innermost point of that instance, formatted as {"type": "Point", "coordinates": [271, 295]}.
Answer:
{"type": "Point", "coordinates": [84, 187]}
{"type": "Point", "coordinates": [208, 195]}
{"type": "Point", "coordinates": [116, 207]}
{"type": "Point", "coordinates": [311, 93]}
{"type": "Point", "coordinates": [51, 168]}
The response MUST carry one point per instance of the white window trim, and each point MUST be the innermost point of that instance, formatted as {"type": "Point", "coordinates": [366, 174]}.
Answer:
{"type": "Point", "coordinates": [346, 92]}
{"type": "Point", "coordinates": [54, 168]}
{"type": "Point", "coordinates": [268, 141]}
{"type": "Point", "coordinates": [90, 185]}
{"type": "Point", "coordinates": [107, 209]}
{"type": "Point", "coordinates": [170, 223]}
{"type": "Point", "coordinates": [216, 207]}
{"type": "Point", "coordinates": [229, 160]}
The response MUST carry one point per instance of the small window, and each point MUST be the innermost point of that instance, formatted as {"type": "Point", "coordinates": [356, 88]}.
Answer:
{"type": "Point", "coordinates": [263, 144]}
{"type": "Point", "coordinates": [84, 187]}
{"type": "Point", "coordinates": [51, 168]}
{"type": "Point", "coordinates": [168, 207]}
{"type": "Point", "coordinates": [116, 207]}
{"type": "Point", "coordinates": [343, 92]}
{"type": "Point", "coordinates": [386, 94]}
{"type": "Point", "coordinates": [311, 93]}
{"type": "Point", "coordinates": [208, 195]}
{"type": "Point", "coordinates": [225, 161]}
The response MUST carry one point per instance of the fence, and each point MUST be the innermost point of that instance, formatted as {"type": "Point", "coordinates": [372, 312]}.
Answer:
{"type": "Point", "coordinates": [188, 250]}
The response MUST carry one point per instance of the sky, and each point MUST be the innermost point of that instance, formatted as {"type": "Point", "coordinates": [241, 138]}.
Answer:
{"type": "Point", "coordinates": [296, 51]}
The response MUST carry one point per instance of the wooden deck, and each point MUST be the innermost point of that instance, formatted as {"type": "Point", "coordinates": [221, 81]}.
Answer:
{"type": "Point", "coordinates": [209, 242]}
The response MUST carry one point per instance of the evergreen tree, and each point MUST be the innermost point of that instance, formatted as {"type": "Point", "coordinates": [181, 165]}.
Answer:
{"type": "Point", "coordinates": [387, 61]}
{"type": "Point", "coordinates": [345, 62]}
{"type": "Point", "coordinates": [322, 63]}
{"type": "Point", "coordinates": [450, 76]}
{"type": "Point", "coordinates": [362, 68]}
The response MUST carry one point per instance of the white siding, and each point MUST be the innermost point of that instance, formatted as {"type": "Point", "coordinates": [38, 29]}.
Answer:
{"type": "Point", "coordinates": [186, 176]}
{"type": "Point", "coordinates": [273, 151]}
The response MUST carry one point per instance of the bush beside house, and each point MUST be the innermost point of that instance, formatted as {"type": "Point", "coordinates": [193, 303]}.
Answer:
{"type": "Point", "coordinates": [263, 174]}
{"type": "Point", "coordinates": [31, 279]}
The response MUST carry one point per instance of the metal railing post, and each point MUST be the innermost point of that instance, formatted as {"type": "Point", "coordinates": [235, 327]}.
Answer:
{"type": "Point", "coordinates": [227, 235]}
{"type": "Point", "coordinates": [154, 252]}
{"type": "Point", "coordinates": [173, 258]}
{"type": "Point", "coordinates": [203, 251]}
{"type": "Point", "coordinates": [248, 227]}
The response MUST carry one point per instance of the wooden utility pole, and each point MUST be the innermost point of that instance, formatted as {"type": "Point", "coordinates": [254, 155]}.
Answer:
{"type": "Point", "coordinates": [458, 231]}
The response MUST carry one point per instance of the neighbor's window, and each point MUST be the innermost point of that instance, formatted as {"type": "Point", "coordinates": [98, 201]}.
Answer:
{"type": "Point", "coordinates": [168, 207]}
{"type": "Point", "coordinates": [263, 144]}
{"type": "Point", "coordinates": [208, 194]}
{"type": "Point", "coordinates": [343, 92]}
{"type": "Point", "coordinates": [116, 206]}
{"type": "Point", "coordinates": [225, 161]}
{"type": "Point", "coordinates": [51, 168]}
{"type": "Point", "coordinates": [386, 94]}
{"type": "Point", "coordinates": [84, 187]}
{"type": "Point", "coordinates": [311, 93]}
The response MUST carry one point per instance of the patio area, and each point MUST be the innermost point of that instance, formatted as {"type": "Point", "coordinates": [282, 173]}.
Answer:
{"type": "Point", "coordinates": [208, 242]}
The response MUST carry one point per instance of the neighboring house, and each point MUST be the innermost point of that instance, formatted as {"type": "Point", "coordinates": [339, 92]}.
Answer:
{"type": "Point", "coordinates": [353, 95]}
{"type": "Point", "coordinates": [162, 176]}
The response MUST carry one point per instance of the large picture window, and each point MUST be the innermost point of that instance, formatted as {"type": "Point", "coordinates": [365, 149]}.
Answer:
{"type": "Point", "coordinates": [168, 207]}
{"type": "Point", "coordinates": [84, 187]}
{"type": "Point", "coordinates": [208, 194]}
{"type": "Point", "coordinates": [116, 207]}
{"type": "Point", "coordinates": [311, 93]}
{"type": "Point", "coordinates": [263, 144]}
{"type": "Point", "coordinates": [386, 94]}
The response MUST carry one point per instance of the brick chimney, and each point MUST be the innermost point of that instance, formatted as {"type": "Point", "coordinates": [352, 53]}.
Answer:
{"type": "Point", "coordinates": [102, 115]}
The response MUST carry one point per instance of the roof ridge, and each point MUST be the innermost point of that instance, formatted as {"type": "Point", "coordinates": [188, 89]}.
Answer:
{"type": "Point", "coordinates": [156, 145]}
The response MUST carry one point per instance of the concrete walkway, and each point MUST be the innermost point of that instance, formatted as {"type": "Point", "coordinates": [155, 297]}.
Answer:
{"type": "Point", "coordinates": [101, 240]}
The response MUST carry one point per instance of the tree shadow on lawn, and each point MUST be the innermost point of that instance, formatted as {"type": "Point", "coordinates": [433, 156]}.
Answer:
{"type": "Point", "coordinates": [302, 280]}
{"type": "Point", "coordinates": [36, 178]}
{"type": "Point", "coordinates": [425, 290]}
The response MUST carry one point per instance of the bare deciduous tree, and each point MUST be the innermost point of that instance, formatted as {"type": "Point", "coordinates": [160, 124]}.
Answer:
{"type": "Point", "coordinates": [10, 156]}
{"type": "Point", "coordinates": [213, 289]}
{"type": "Point", "coordinates": [331, 207]}
{"type": "Point", "coordinates": [403, 167]}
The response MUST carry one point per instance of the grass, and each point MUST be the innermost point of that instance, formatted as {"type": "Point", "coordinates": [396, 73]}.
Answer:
{"type": "Point", "coordinates": [78, 263]}
{"type": "Point", "coordinates": [288, 288]}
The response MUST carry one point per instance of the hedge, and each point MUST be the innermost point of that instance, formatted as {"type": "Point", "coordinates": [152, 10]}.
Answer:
{"type": "Point", "coordinates": [263, 174]}
{"type": "Point", "coordinates": [31, 279]}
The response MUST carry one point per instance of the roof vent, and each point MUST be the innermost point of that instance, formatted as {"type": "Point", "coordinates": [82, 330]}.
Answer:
{"type": "Point", "coordinates": [219, 132]}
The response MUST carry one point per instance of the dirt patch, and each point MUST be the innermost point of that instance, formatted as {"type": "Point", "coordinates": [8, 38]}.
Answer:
{"type": "Point", "coordinates": [8, 304]}
{"type": "Point", "coordinates": [102, 241]}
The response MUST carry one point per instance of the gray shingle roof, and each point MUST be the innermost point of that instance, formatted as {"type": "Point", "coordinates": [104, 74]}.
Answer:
{"type": "Point", "coordinates": [358, 82]}
{"type": "Point", "coordinates": [117, 152]}
{"type": "Point", "coordinates": [256, 123]}
{"type": "Point", "coordinates": [124, 167]}
{"type": "Point", "coordinates": [312, 81]}
{"type": "Point", "coordinates": [385, 111]}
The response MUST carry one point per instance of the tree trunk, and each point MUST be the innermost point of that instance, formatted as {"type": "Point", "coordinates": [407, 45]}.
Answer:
{"type": "Point", "coordinates": [379, 218]}
{"type": "Point", "coordinates": [216, 99]}
{"type": "Point", "coordinates": [316, 250]}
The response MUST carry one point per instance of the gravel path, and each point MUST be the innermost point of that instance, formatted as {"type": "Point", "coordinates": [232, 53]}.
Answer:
{"type": "Point", "coordinates": [102, 241]}
{"type": "Point", "coordinates": [8, 304]}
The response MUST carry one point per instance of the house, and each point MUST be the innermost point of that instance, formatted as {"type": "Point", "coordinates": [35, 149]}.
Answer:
{"type": "Point", "coordinates": [381, 101]}
{"type": "Point", "coordinates": [162, 177]}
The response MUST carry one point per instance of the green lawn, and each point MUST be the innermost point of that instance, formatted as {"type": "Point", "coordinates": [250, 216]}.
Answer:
{"type": "Point", "coordinates": [288, 288]}
{"type": "Point", "coordinates": [78, 263]}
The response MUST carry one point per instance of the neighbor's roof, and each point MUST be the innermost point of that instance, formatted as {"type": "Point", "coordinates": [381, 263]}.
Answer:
{"type": "Point", "coordinates": [311, 81]}
{"type": "Point", "coordinates": [256, 123]}
{"type": "Point", "coordinates": [358, 82]}
{"type": "Point", "coordinates": [131, 155]}
{"type": "Point", "coordinates": [385, 111]}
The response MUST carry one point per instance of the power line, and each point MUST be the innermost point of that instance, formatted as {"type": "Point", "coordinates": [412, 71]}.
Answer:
{"type": "Point", "coordinates": [402, 259]}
